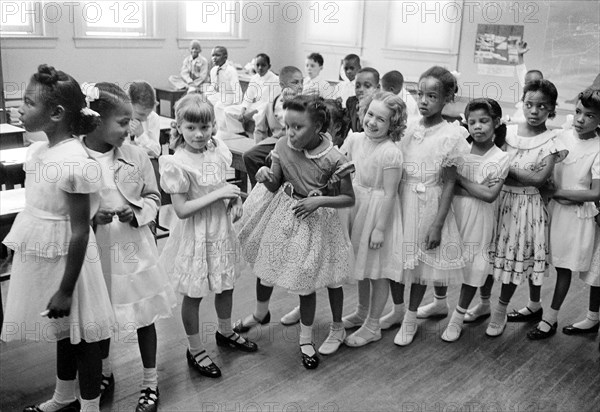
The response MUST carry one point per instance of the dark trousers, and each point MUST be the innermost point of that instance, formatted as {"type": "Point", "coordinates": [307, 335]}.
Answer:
{"type": "Point", "coordinates": [255, 158]}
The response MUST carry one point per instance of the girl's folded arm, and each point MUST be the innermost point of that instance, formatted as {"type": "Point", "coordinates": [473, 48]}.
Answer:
{"type": "Point", "coordinates": [590, 195]}
{"type": "Point", "coordinates": [536, 177]}
{"type": "Point", "coordinates": [481, 191]}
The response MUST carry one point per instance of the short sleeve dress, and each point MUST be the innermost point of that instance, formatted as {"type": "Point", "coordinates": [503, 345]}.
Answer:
{"type": "Point", "coordinates": [572, 227]}
{"type": "Point", "coordinates": [202, 253]}
{"type": "Point", "coordinates": [301, 255]}
{"type": "Point", "coordinates": [427, 151]}
{"type": "Point", "coordinates": [521, 236]}
{"type": "Point", "coordinates": [371, 158]}
{"type": "Point", "coordinates": [475, 218]}
{"type": "Point", "coordinates": [40, 237]}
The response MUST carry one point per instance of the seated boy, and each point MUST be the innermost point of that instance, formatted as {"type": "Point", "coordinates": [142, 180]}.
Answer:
{"type": "Point", "coordinates": [394, 82]}
{"type": "Point", "coordinates": [269, 124]}
{"type": "Point", "coordinates": [262, 89]}
{"type": "Point", "coordinates": [193, 70]}
{"type": "Point", "coordinates": [144, 127]}
{"type": "Point", "coordinates": [314, 82]}
{"type": "Point", "coordinates": [345, 88]}
{"type": "Point", "coordinates": [224, 89]}
{"type": "Point", "coordinates": [367, 83]}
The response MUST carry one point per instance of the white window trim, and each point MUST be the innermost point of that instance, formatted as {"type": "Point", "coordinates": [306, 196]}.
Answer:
{"type": "Point", "coordinates": [154, 37]}
{"type": "Point", "coordinates": [43, 36]}
{"type": "Point", "coordinates": [354, 45]}
{"type": "Point", "coordinates": [235, 38]}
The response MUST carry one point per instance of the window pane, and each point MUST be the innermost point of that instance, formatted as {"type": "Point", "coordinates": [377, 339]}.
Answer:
{"type": "Point", "coordinates": [17, 18]}
{"type": "Point", "coordinates": [121, 18]}
{"type": "Point", "coordinates": [210, 16]}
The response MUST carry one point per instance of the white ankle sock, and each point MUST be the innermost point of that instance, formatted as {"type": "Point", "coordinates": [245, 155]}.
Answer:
{"type": "Point", "coordinates": [64, 394]}
{"type": "Point", "coordinates": [262, 308]}
{"type": "Point", "coordinates": [533, 307]}
{"type": "Point", "coordinates": [150, 378]}
{"type": "Point", "coordinates": [224, 327]}
{"type": "Point", "coordinates": [90, 405]}
{"type": "Point", "coordinates": [591, 319]}
{"type": "Point", "coordinates": [306, 337]}
{"type": "Point", "coordinates": [195, 344]}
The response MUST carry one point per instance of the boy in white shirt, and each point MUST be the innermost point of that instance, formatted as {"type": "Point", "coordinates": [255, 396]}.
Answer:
{"type": "Point", "coordinates": [144, 127]}
{"type": "Point", "coordinates": [346, 87]}
{"type": "Point", "coordinates": [224, 89]}
{"type": "Point", "coordinates": [262, 89]}
{"type": "Point", "coordinates": [313, 82]}
{"type": "Point", "coordinates": [394, 82]}
{"type": "Point", "coordinates": [194, 70]}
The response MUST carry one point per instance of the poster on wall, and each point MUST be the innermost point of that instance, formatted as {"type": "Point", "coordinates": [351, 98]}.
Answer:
{"type": "Point", "coordinates": [496, 48]}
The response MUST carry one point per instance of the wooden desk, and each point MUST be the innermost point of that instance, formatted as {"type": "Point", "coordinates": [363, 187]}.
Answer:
{"type": "Point", "coordinates": [10, 136]}
{"type": "Point", "coordinates": [169, 94]}
{"type": "Point", "coordinates": [11, 203]}
{"type": "Point", "coordinates": [238, 145]}
{"type": "Point", "coordinates": [11, 167]}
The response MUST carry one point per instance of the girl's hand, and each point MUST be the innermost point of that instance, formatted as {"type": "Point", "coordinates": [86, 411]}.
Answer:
{"type": "Point", "coordinates": [306, 206]}
{"type": "Point", "coordinates": [229, 191]}
{"type": "Point", "coordinates": [125, 213]}
{"type": "Point", "coordinates": [264, 174]}
{"type": "Point", "coordinates": [136, 128]}
{"type": "Point", "coordinates": [59, 305]}
{"type": "Point", "coordinates": [104, 216]}
{"type": "Point", "coordinates": [433, 238]}
{"type": "Point", "coordinates": [490, 182]}
{"type": "Point", "coordinates": [376, 240]}
{"type": "Point", "coordinates": [236, 211]}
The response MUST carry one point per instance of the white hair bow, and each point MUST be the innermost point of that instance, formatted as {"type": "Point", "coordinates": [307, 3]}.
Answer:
{"type": "Point", "coordinates": [91, 92]}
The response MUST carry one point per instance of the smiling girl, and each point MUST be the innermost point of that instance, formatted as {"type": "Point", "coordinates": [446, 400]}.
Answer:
{"type": "Point", "coordinates": [376, 229]}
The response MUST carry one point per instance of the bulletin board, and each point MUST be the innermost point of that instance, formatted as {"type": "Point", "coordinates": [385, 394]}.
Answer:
{"type": "Point", "coordinates": [563, 38]}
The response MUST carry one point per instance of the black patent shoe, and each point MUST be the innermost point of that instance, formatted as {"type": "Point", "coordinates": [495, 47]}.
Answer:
{"type": "Point", "coordinates": [74, 406]}
{"type": "Point", "coordinates": [232, 341]}
{"type": "Point", "coordinates": [516, 316]}
{"type": "Point", "coordinates": [309, 362]}
{"type": "Point", "coordinates": [537, 334]}
{"type": "Point", "coordinates": [107, 387]}
{"type": "Point", "coordinates": [210, 371]}
{"type": "Point", "coordinates": [148, 401]}
{"type": "Point", "coordinates": [239, 326]}
{"type": "Point", "coordinates": [572, 330]}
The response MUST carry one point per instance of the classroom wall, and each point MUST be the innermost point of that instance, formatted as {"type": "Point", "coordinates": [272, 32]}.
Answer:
{"type": "Point", "coordinates": [121, 64]}
{"type": "Point", "coordinates": [554, 31]}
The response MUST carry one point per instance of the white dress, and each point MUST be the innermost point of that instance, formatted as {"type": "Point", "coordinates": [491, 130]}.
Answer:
{"type": "Point", "coordinates": [40, 237]}
{"type": "Point", "coordinates": [202, 254]}
{"type": "Point", "coordinates": [476, 219]}
{"type": "Point", "coordinates": [572, 227]}
{"type": "Point", "coordinates": [592, 276]}
{"type": "Point", "coordinates": [426, 152]}
{"type": "Point", "coordinates": [139, 288]}
{"type": "Point", "coordinates": [371, 158]}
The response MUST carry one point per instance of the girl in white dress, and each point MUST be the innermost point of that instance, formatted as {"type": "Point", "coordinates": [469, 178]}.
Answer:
{"type": "Point", "coordinates": [202, 254]}
{"type": "Point", "coordinates": [139, 288]}
{"type": "Point", "coordinates": [575, 188]}
{"type": "Point", "coordinates": [55, 267]}
{"type": "Point", "coordinates": [480, 179]}
{"type": "Point", "coordinates": [521, 232]}
{"type": "Point", "coordinates": [431, 148]}
{"type": "Point", "coordinates": [376, 218]}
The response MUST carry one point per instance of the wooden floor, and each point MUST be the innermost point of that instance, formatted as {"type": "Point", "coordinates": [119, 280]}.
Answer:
{"type": "Point", "coordinates": [477, 373]}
